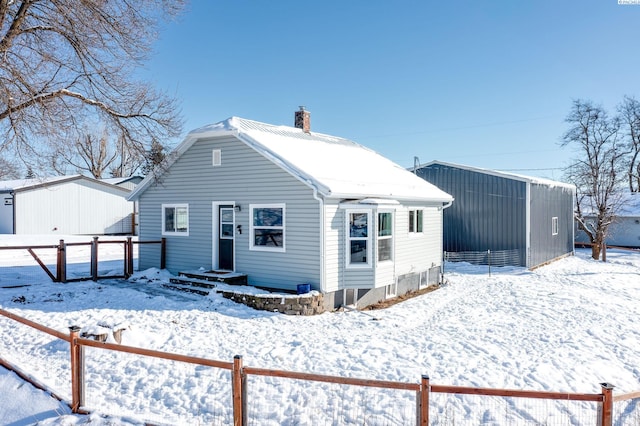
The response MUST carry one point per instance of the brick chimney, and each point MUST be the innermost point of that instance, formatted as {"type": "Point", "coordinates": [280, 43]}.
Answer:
{"type": "Point", "coordinates": [303, 120]}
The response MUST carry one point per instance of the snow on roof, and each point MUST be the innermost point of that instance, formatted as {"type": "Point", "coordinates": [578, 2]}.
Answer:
{"type": "Point", "coordinates": [22, 184]}
{"type": "Point", "coordinates": [117, 180]}
{"type": "Point", "coordinates": [336, 167]}
{"type": "Point", "coordinates": [508, 175]}
{"type": "Point", "coordinates": [18, 184]}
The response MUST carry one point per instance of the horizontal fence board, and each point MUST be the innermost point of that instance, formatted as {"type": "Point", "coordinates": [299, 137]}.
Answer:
{"type": "Point", "coordinates": [517, 393]}
{"type": "Point", "coordinates": [156, 354]}
{"type": "Point", "coordinates": [626, 396]}
{"type": "Point", "coordinates": [331, 379]}
{"type": "Point", "coordinates": [44, 329]}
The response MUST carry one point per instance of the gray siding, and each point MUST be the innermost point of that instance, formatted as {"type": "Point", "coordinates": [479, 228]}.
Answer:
{"type": "Point", "coordinates": [413, 253]}
{"type": "Point", "coordinates": [488, 213]}
{"type": "Point", "coordinates": [245, 177]}
{"type": "Point", "coordinates": [547, 203]}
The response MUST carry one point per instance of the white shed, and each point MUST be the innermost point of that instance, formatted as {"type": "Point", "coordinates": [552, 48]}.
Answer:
{"type": "Point", "coordinates": [64, 205]}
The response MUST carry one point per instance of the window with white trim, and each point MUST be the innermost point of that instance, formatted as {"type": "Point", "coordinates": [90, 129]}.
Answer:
{"type": "Point", "coordinates": [385, 236]}
{"type": "Point", "coordinates": [554, 225]}
{"type": "Point", "coordinates": [267, 227]}
{"type": "Point", "coordinates": [175, 219]}
{"type": "Point", "coordinates": [415, 221]}
{"type": "Point", "coordinates": [358, 238]}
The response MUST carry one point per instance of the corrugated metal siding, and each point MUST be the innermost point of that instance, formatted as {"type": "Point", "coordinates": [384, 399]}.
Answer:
{"type": "Point", "coordinates": [245, 177]}
{"type": "Point", "coordinates": [546, 203]}
{"type": "Point", "coordinates": [73, 207]}
{"type": "Point", "coordinates": [488, 213]}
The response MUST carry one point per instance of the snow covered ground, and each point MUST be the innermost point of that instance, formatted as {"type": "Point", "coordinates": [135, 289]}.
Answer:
{"type": "Point", "coordinates": [565, 327]}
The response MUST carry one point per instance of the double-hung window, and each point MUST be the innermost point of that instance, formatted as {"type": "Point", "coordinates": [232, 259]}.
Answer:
{"type": "Point", "coordinates": [385, 236]}
{"type": "Point", "coordinates": [358, 238]}
{"type": "Point", "coordinates": [415, 221]}
{"type": "Point", "coordinates": [175, 219]}
{"type": "Point", "coordinates": [267, 227]}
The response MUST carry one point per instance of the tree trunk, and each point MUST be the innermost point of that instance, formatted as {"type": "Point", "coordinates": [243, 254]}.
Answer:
{"type": "Point", "coordinates": [595, 250]}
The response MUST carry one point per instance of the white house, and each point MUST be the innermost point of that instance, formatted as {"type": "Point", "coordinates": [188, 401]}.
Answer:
{"type": "Point", "coordinates": [625, 229]}
{"type": "Point", "coordinates": [64, 205]}
{"type": "Point", "coordinates": [288, 206]}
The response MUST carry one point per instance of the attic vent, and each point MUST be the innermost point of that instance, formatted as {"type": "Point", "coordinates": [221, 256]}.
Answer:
{"type": "Point", "coordinates": [217, 157]}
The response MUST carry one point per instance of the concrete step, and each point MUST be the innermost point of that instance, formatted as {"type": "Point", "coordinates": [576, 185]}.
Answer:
{"type": "Point", "coordinates": [186, 289]}
{"type": "Point", "coordinates": [226, 277]}
{"type": "Point", "coordinates": [194, 282]}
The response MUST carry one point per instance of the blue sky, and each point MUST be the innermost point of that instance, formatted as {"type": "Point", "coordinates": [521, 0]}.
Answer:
{"type": "Point", "coordinates": [481, 83]}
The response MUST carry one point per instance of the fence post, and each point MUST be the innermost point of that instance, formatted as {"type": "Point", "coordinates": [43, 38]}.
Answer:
{"type": "Point", "coordinates": [423, 403]}
{"type": "Point", "coordinates": [605, 408]}
{"type": "Point", "coordinates": [61, 263]}
{"type": "Point", "coordinates": [236, 384]}
{"type": "Point", "coordinates": [163, 253]}
{"type": "Point", "coordinates": [128, 256]}
{"type": "Point", "coordinates": [94, 259]}
{"type": "Point", "coordinates": [77, 370]}
{"type": "Point", "coordinates": [604, 252]}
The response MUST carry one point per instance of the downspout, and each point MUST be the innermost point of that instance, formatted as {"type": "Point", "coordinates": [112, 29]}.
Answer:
{"type": "Point", "coordinates": [322, 239]}
{"type": "Point", "coordinates": [528, 225]}
{"type": "Point", "coordinates": [13, 207]}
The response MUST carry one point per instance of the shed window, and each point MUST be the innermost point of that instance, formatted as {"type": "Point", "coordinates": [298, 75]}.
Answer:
{"type": "Point", "coordinates": [554, 225]}
{"type": "Point", "coordinates": [358, 238]}
{"type": "Point", "coordinates": [267, 227]}
{"type": "Point", "coordinates": [175, 219]}
{"type": "Point", "coordinates": [385, 236]}
{"type": "Point", "coordinates": [415, 221]}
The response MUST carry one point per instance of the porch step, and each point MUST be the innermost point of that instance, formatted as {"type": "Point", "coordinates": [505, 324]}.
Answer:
{"type": "Point", "coordinates": [226, 277]}
{"type": "Point", "coordinates": [186, 289]}
{"type": "Point", "coordinates": [193, 282]}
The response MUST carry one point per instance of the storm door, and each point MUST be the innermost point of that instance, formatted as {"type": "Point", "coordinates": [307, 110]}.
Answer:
{"type": "Point", "coordinates": [225, 241]}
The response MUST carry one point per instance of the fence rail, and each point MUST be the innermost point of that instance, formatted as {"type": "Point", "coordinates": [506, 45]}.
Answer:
{"type": "Point", "coordinates": [60, 273]}
{"type": "Point", "coordinates": [240, 373]}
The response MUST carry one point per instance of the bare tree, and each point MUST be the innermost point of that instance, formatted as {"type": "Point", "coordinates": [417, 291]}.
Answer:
{"type": "Point", "coordinates": [629, 112]}
{"type": "Point", "coordinates": [89, 153]}
{"type": "Point", "coordinates": [63, 62]}
{"type": "Point", "coordinates": [8, 169]}
{"type": "Point", "coordinates": [598, 171]}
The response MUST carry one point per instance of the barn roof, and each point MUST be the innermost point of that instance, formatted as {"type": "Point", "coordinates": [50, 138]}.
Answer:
{"type": "Point", "coordinates": [506, 175]}
{"type": "Point", "coordinates": [334, 166]}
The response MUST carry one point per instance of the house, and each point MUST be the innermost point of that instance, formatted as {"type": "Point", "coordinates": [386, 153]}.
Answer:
{"type": "Point", "coordinates": [288, 206]}
{"type": "Point", "coordinates": [64, 205]}
{"type": "Point", "coordinates": [625, 229]}
{"type": "Point", "coordinates": [516, 220]}
{"type": "Point", "coordinates": [129, 182]}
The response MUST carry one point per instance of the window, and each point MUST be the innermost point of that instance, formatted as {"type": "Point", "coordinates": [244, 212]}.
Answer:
{"type": "Point", "coordinates": [175, 219]}
{"type": "Point", "coordinates": [267, 227]}
{"type": "Point", "coordinates": [216, 157]}
{"type": "Point", "coordinates": [554, 225]}
{"type": "Point", "coordinates": [358, 247]}
{"type": "Point", "coordinates": [391, 290]}
{"type": "Point", "coordinates": [424, 279]}
{"type": "Point", "coordinates": [415, 221]}
{"type": "Point", "coordinates": [385, 236]}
